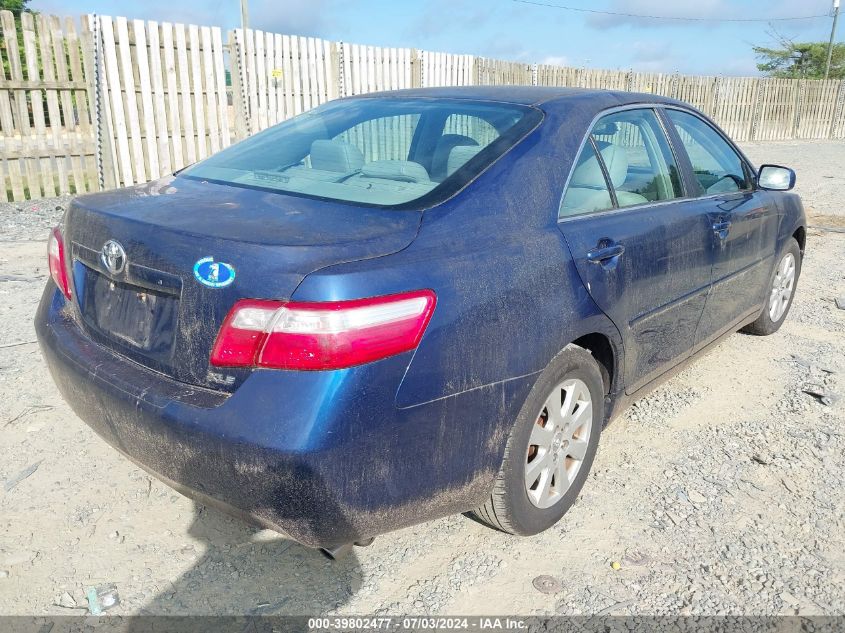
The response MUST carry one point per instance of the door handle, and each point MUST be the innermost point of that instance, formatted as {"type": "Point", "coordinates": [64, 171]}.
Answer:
{"type": "Point", "coordinates": [604, 251]}
{"type": "Point", "coordinates": [722, 228]}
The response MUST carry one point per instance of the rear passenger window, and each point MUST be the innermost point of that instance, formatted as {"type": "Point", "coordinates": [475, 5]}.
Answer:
{"type": "Point", "coordinates": [639, 161]}
{"type": "Point", "coordinates": [587, 191]}
{"type": "Point", "coordinates": [633, 154]}
{"type": "Point", "coordinates": [717, 167]}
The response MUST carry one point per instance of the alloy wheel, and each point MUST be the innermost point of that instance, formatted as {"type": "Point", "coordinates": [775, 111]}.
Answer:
{"type": "Point", "coordinates": [782, 287]}
{"type": "Point", "coordinates": [558, 443]}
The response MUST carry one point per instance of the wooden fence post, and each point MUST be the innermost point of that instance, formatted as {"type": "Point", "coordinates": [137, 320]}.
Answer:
{"type": "Point", "coordinates": [714, 105]}
{"type": "Point", "coordinates": [799, 102]}
{"type": "Point", "coordinates": [91, 59]}
{"type": "Point", "coordinates": [417, 77]}
{"type": "Point", "coordinates": [106, 123]}
{"type": "Point", "coordinates": [758, 108]}
{"type": "Point", "coordinates": [838, 109]}
{"type": "Point", "coordinates": [337, 68]}
{"type": "Point", "coordinates": [239, 99]}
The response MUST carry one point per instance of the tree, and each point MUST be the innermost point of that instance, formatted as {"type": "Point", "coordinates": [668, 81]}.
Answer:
{"type": "Point", "coordinates": [800, 59]}
{"type": "Point", "coordinates": [15, 6]}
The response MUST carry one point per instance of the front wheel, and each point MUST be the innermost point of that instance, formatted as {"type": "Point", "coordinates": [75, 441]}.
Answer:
{"type": "Point", "coordinates": [551, 448]}
{"type": "Point", "coordinates": [781, 291]}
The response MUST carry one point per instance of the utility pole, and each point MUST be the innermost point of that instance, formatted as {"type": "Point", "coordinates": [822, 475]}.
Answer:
{"type": "Point", "coordinates": [245, 13]}
{"type": "Point", "coordinates": [832, 37]}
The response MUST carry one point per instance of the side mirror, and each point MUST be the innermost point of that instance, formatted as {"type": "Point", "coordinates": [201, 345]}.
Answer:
{"type": "Point", "coordinates": [775, 178]}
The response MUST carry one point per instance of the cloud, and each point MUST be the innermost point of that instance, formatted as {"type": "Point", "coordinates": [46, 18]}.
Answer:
{"type": "Point", "coordinates": [740, 67]}
{"type": "Point", "coordinates": [202, 12]}
{"type": "Point", "coordinates": [649, 51]}
{"type": "Point", "coordinates": [441, 16]}
{"type": "Point", "coordinates": [555, 60]}
{"type": "Point", "coordinates": [698, 11]}
{"type": "Point", "coordinates": [505, 46]}
{"type": "Point", "coordinates": [294, 17]}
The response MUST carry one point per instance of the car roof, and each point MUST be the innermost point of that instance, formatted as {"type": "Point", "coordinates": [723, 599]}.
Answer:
{"type": "Point", "coordinates": [523, 95]}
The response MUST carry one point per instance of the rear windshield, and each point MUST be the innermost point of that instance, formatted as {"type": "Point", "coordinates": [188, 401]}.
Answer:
{"type": "Point", "coordinates": [374, 151]}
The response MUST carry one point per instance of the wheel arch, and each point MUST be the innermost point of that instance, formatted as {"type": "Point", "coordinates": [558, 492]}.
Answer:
{"type": "Point", "coordinates": [601, 348]}
{"type": "Point", "coordinates": [800, 236]}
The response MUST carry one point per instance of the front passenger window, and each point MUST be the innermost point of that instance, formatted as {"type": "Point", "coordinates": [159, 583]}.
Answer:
{"type": "Point", "coordinates": [717, 167]}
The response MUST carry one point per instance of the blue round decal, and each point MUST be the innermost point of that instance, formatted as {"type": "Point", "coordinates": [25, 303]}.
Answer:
{"type": "Point", "coordinates": [213, 274]}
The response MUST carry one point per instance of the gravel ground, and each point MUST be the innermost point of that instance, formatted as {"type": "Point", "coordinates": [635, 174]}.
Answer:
{"type": "Point", "coordinates": [723, 492]}
{"type": "Point", "coordinates": [818, 170]}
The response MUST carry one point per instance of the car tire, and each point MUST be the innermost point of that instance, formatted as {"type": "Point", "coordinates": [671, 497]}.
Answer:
{"type": "Point", "coordinates": [780, 291]}
{"type": "Point", "coordinates": [517, 507]}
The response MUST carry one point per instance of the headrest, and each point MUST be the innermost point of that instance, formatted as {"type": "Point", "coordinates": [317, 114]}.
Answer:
{"type": "Point", "coordinates": [588, 173]}
{"type": "Point", "coordinates": [402, 170]}
{"type": "Point", "coordinates": [440, 158]}
{"type": "Point", "coordinates": [459, 156]}
{"type": "Point", "coordinates": [336, 156]}
{"type": "Point", "coordinates": [453, 140]}
{"type": "Point", "coordinates": [608, 128]}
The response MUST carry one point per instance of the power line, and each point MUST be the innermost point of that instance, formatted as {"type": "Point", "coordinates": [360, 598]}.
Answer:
{"type": "Point", "coordinates": [667, 17]}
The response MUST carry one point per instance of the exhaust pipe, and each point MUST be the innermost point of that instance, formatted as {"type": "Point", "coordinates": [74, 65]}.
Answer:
{"type": "Point", "coordinates": [338, 552]}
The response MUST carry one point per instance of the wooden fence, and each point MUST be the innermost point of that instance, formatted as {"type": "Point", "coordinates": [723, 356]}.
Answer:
{"type": "Point", "coordinates": [47, 145]}
{"type": "Point", "coordinates": [164, 96]}
{"type": "Point", "coordinates": [106, 102]}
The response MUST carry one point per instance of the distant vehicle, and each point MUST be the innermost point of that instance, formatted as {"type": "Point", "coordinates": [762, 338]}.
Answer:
{"type": "Point", "coordinates": [405, 305]}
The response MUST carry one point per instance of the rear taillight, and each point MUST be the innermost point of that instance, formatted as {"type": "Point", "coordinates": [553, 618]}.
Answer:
{"type": "Point", "coordinates": [332, 335]}
{"type": "Point", "coordinates": [58, 265]}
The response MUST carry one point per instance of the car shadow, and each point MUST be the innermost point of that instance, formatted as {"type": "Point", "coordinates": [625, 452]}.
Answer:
{"type": "Point", "coordinates": [248, 571]}
{"type": "Point", "coordinates": [244, 570]}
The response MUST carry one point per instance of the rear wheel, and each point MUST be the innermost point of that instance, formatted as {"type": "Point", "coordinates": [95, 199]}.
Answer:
{"type": "Point", "coordinates": [780, 293]}
{"type": "Point", "coordinates": [551, 448]}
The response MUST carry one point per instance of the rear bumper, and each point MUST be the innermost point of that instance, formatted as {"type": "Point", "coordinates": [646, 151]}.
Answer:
{"type": "Point", "coordinates": [324, 457]}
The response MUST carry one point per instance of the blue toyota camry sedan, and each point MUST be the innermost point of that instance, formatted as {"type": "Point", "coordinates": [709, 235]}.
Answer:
{"type": "Point", "coordinates": [405, 305]}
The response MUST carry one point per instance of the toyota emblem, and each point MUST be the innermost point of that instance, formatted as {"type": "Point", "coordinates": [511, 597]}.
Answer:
{"type": "Point", "coordinates": [113, 257]}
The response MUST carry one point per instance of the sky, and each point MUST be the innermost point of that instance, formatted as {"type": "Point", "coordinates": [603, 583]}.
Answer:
{"type": "Point", "coordinates": [513, 30]}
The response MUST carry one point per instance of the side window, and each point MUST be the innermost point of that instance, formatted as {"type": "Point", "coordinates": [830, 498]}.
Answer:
{"type": "Point", "coordinates": [386, 138]}
{"type": "Point", "coordinates": [717, 167]}
{"type": "Point", "coordinates": [633, 150]}
{"type": "Point", "coordinates": [587, 191]}
{"type": "Point", "coordinates": [638, 158]}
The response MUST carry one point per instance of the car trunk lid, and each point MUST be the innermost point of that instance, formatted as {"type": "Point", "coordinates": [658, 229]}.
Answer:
{"type": "Point", "coordinates": [156, 311]}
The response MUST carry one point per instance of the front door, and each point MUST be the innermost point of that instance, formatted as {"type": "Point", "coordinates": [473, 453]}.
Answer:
{"type": "Point", "coordinates": [643, 254]}
{"type": "Point", "coordinates": [744, 223]}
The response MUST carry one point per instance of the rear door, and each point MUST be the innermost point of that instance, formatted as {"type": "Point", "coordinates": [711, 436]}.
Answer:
{"type": "Point", "coordinates": [744, 222]}
{"type": "Point", "coordinates": [642, 253]}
